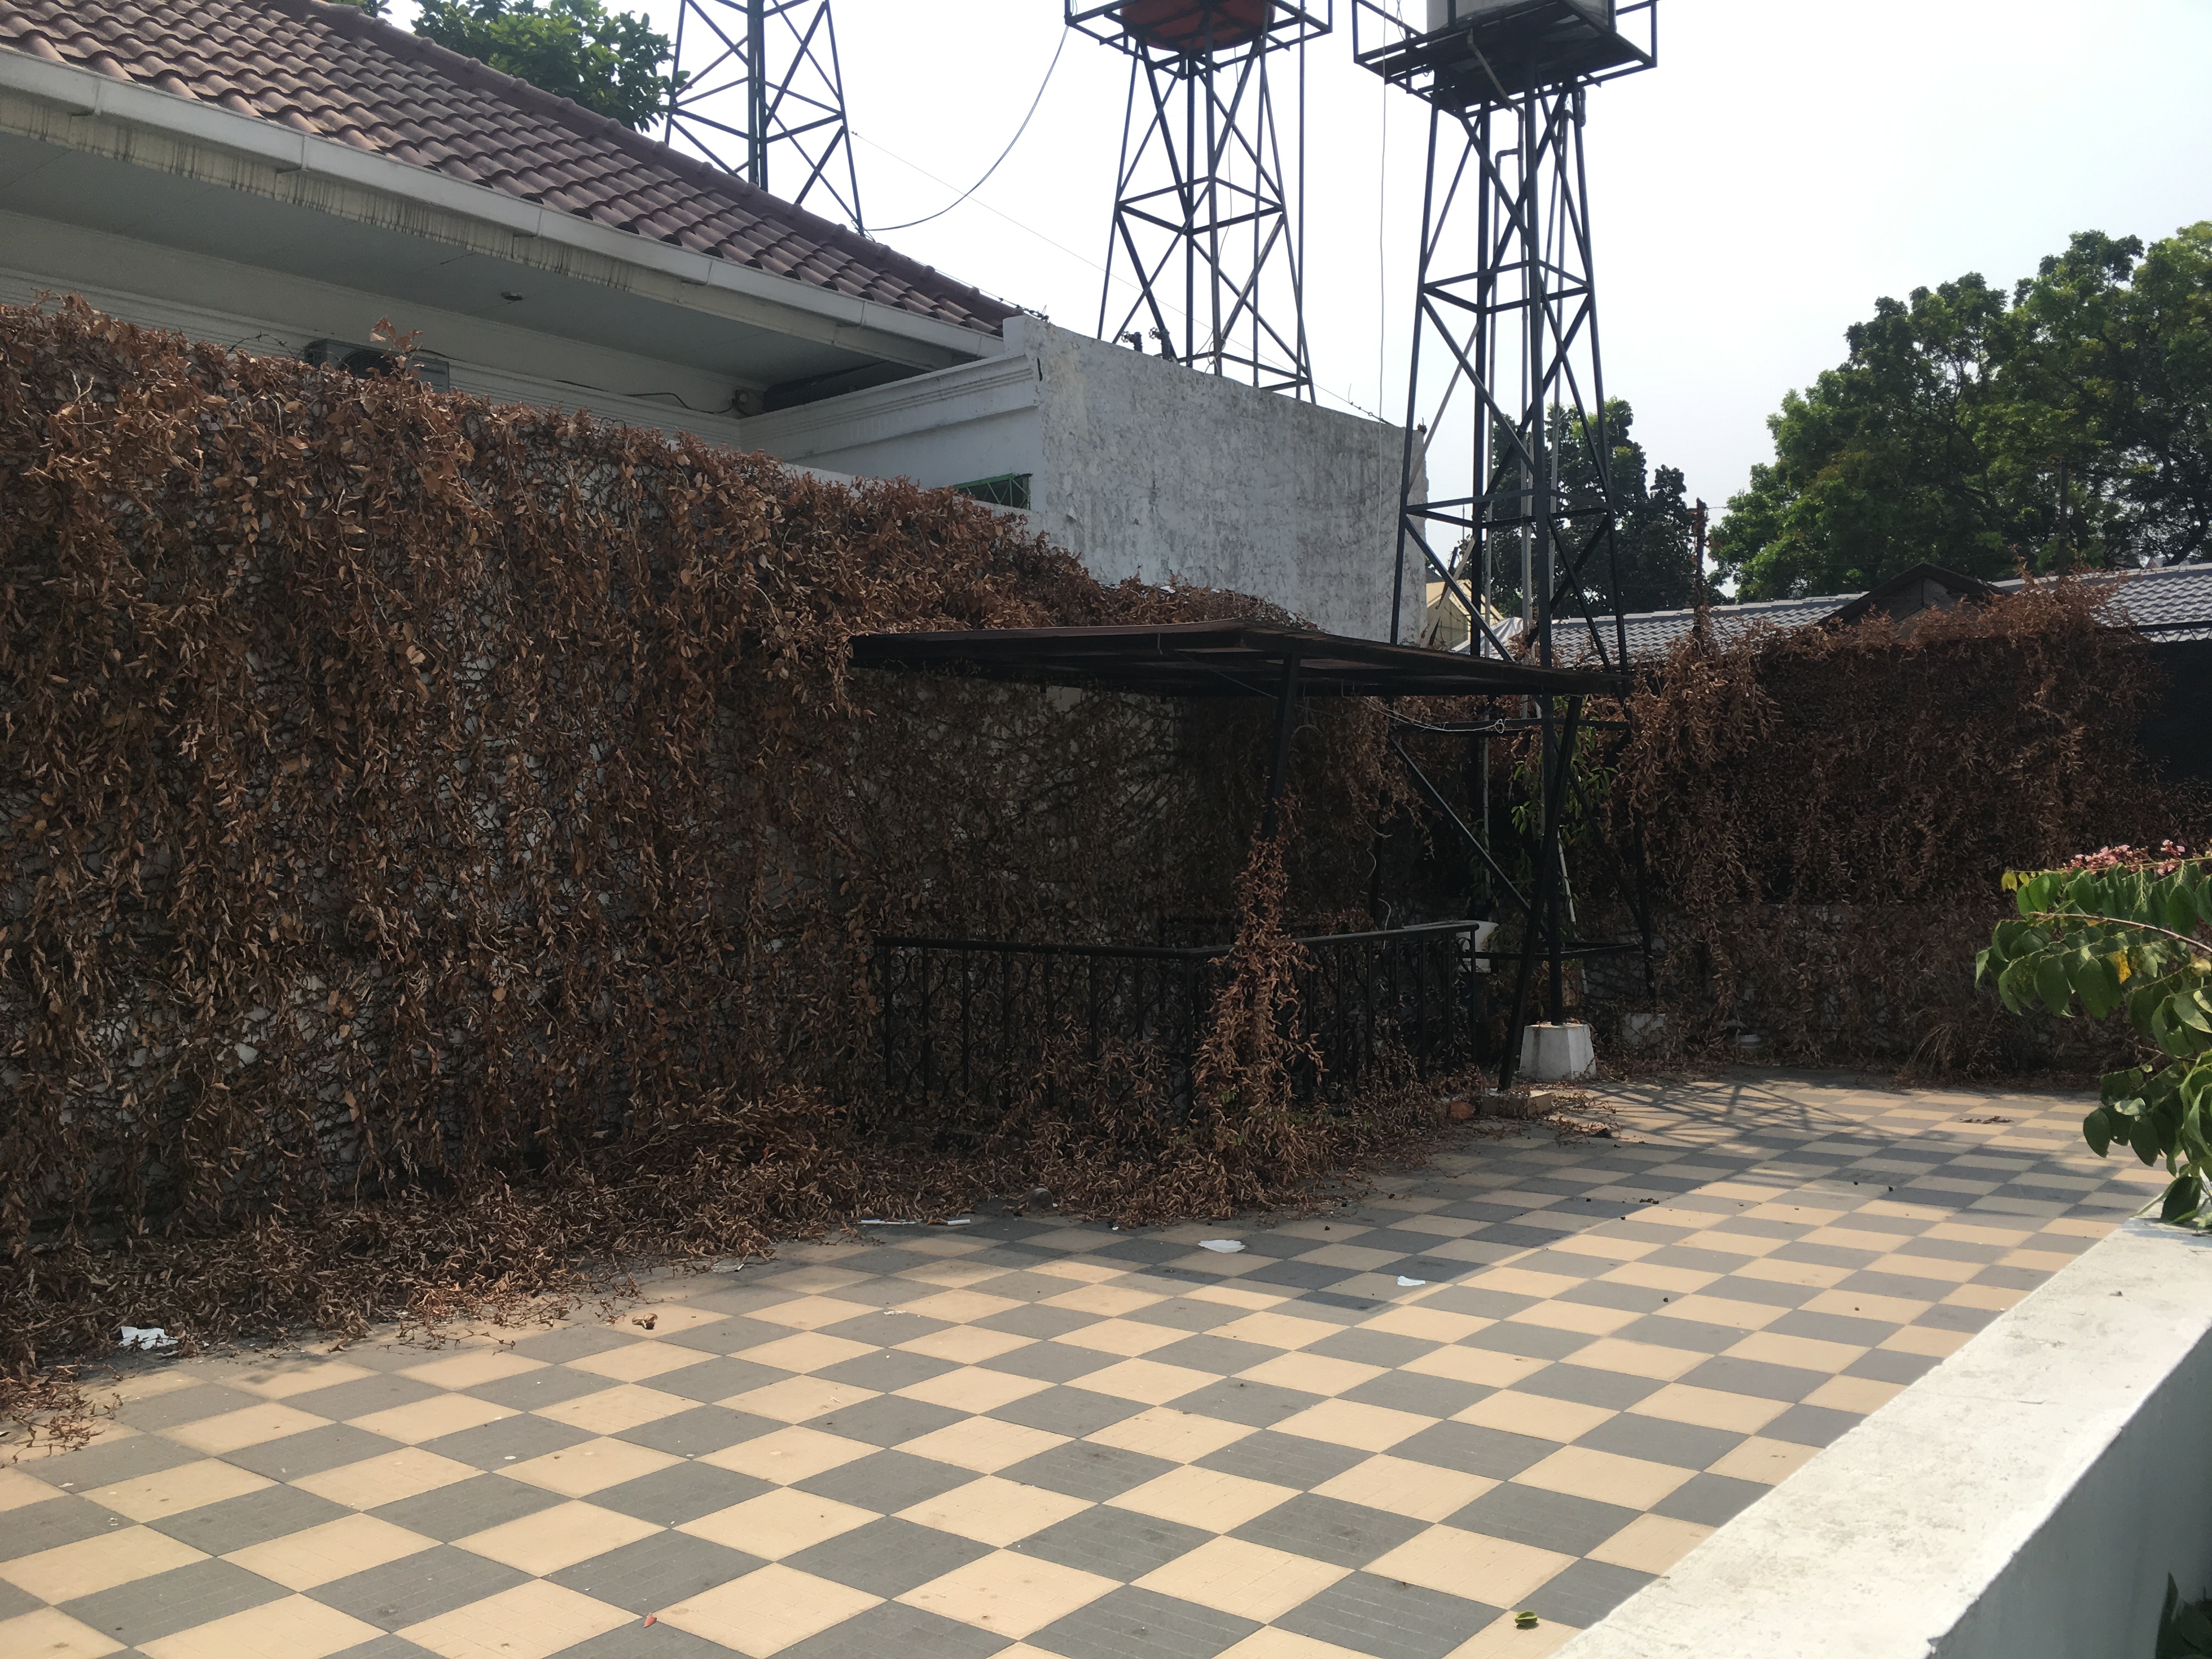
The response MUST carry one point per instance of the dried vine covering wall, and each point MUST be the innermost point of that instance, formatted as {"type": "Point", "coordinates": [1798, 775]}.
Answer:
{"type": "Point", "coordinates": [405, 796]}
{"type": "Point", "coordinates": [1828, 813]}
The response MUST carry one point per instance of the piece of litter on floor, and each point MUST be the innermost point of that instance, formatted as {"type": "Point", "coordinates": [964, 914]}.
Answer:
{"type": "Point", "coordinates": [1226, 1246]}
{"type": "Point", "coordinates": [1524, 1621]}
{"type": "Point", "coordinates": [961, 1221]}
{"type": "Point", "coordinates": [1409, 1283]}
{"type": "Point", "coordinates": [889, 1223]}
{"type": "Point", "coordinates": [651, 1620]}
{"type": "Point", "coordinates": [147, 1338]}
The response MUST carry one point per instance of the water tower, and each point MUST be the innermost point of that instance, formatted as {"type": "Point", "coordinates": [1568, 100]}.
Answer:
{"type": "Point", "coordinates": [1206, 264]}
{"type": "Point", "coordinates": [762, 96]}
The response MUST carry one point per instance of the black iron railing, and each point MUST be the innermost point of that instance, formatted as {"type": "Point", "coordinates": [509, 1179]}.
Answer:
{"type": "Point", "coordinates": [986, 1023]}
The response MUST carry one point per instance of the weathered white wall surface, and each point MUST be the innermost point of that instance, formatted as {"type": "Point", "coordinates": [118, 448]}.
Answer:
{"type": "Point", "coordinates": [2026, 1500]}
{"type": "Point", "coordinates": [1142, 468]}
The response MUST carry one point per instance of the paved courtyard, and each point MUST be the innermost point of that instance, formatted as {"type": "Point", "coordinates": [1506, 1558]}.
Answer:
{"type": "Point", "coordinates": [1023, 1437]}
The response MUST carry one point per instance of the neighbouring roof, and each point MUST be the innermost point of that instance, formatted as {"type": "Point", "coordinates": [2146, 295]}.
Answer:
{"type": "Point", "coordinates": [334, 72]}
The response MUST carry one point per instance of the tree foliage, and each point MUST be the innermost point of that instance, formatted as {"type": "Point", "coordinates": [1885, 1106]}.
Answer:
{"type": "Point", "coordinates": [2067, 425]}
{"type": "Point", "coordinates": [608, 62]}
{"type": "Point", "coordinates": [2115, 932]}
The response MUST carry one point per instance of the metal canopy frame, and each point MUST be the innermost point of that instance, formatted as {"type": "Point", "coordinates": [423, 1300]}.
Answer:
{"type": "Point", "coordinates": [1209, 215]}
{"type": "Point", "coordinates": [780, 58]}
{"type": "Point", "coordinates": [1239, 658]}
{"type": "Point", "coordinates": [1505, 357]}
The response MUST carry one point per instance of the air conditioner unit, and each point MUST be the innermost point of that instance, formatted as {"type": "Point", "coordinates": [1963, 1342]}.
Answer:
{"type": "Point", "coordinates": [364, 361]}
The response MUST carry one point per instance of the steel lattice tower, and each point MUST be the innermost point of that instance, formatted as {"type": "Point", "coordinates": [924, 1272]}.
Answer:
{"type": "Point", "coordinates": [762, 96]}
{"type": "Point", "coordinates": [1209, 216]}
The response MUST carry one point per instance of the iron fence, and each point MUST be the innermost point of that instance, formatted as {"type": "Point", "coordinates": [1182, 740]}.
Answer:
{"type": "Point", "coordinates": [980, 1023]}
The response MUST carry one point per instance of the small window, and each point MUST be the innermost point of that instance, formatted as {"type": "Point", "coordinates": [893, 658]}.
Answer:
{"type": "Point", "coordinates": [1007, 489]}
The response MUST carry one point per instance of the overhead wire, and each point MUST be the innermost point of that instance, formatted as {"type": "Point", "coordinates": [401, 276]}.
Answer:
{"type": "Point", "coordinates": [1034, 104]}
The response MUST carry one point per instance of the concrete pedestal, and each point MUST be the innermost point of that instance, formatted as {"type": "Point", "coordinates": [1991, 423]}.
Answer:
{"type": "Point", "coordinates": [1557, 1054]}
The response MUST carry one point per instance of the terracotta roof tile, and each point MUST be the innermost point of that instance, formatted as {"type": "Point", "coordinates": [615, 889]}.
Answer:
{"type": "Point", "coordinates": [336, 73]}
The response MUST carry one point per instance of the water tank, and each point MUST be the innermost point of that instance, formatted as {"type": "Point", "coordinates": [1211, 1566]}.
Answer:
{"type": "Point", "coordinates": [1443, 14]}
{"type": "Point", "coordinates": [1192, 25]}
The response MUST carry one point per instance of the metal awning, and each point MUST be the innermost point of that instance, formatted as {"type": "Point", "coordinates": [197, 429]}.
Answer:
{"type": "Point", "coordinates": [1232, 658]}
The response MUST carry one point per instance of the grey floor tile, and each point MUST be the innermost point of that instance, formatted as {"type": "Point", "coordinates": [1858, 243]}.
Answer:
{"type": "Point", "coordinates": [719, 1379]}
{"type": "Point", "coordinates": [1297, 1275]}
{"type": "Point", "coordinates": [1038, 1321]}
{"type": "Point", "coordinates": [1657, 1440]}
{"type": "Point", "coordinates": [656, 1573]}
{"type": "Point", "coordinates": [62, 1519]}
{"type": "Point", "coordinates": [681, 1493]}
{"type": "Point", "coordinates": [888, 1370]}
{"type": "Point", "coordinates": [888, 1557]}
{"type": "Point", "coordinates": [1283, 1460]}
{"type": "Point", "coordinates": [728, 1335]}
{"type": "Point", "coordinates": [1391, 1620]}
{"type": "Point", "coordinates": [1663, 1330]}
{"type": "Point", "coordinates": [572, 1342]}
{"type": "Point", "coordinates": [891, 1632]}
{"type": "Point", "coordinates": [1138, 1624]}
{"type": "Point", "coordinates": [182, 1405]}
{"type": "Point", "coordinates": [15, 1603]}
{"type": "Point", "coordinates": [636, 1640]}
{"type": "Point", "coordinates": [109, 1461]}
{"type": "Point", "coordinates": [467, 1506]}
{"type": "Point", "coordinates": [1833, 1328]}
{"type": "Point", "coordinates": [1069, 1409]}
{"type": "Point", "coordinates": [1699, 1261]}
{"type": "Point", "coordinates": [1423, 1395]}
{"type": "Point", "coordinates": [1544, 1520]}
{"type": "Point", "coordinates": [1586, 1385]}
{"type": "Point", "coordinates": [1950, 1317]}
{"type": "Point", "coordinates": [887, 1420]}
{"type": "Point", "coordinates": [701, 1430]}
{"type": "Point", "coordinates": [1081, 1470]}
{"type": "Point", "coordinates": [1116, 1543]}
{"type": "Point", "coordinates": [1329, 1529]}
{"type": "Point", "coordinates": [311, 1452]}
{"type": "Point", "coordinates": [418, 1587]}
{"type": "Point", "coordinates": [1530, 1342]}
{"type": "Point", "coordinates": [1239, 1399]}
{"type": "Point", "coordinates": [885, 1482]}
{"type": "Point", "coordinates": [1824, 1255]}
{"type": "Point", "coordinates": [1224, 1356]}
{"type": "Point", "coordinates": [531, 1389]}
{"type": "Point", "coordinates": [1754, 1377]}
{"type": "Point", "coordinates": [1892, 1366]}
{"type": "Point", "coordinates": [1901, 1285]}
{"type": "Point", "coordinates": [1368, 1347]}
{"type": "Point", "coordinates": [1766, 1293]}
{"type": "Point", "coordinates": [1472, 1449]}
{"type": "Point", "coordinates": [253, 1518]}
{"type": "Point", "coordinates": [1711, 1500]}
{"type": "Point", "coordinates": [1051, 1362]}
{"type": "Point", "coordinates": [1585, 1592]}
{"type": "Point", "coordinates": [1811, 1425]}
{"type": "Point", "coordinates": [363, 1395]}
{"type": "Point", "coordinates": [510, 1440]}
{"type": "Point", "coordinates": [1181, 1313]}
{"type": "Point", "coordinates": [150, 1608]}
{"type": "Point", "coordinates": [386, 1647]}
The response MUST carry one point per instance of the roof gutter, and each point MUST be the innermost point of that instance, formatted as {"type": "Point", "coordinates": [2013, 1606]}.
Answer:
{"type": "Point", "coordinates": [87, 108]}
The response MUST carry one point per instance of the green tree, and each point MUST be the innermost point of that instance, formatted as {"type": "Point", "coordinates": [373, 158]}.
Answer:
{"type": "Point", "coordinates": [609, 61]}
{"type": "Point", "coordinates": [2066, 425]}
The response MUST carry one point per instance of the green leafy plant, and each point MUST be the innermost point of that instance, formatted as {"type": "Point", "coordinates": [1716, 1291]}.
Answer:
{"type": "Point", "coordinates": [2120, 929]}
{"type": "Point", "coordinates": [608, 62]}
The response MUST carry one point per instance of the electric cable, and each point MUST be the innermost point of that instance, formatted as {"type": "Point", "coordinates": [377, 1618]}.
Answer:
{"type": "Point", "coordinates": [1035, 104]}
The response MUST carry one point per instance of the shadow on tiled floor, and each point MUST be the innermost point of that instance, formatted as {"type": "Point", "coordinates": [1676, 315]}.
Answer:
{"type": "Point", "coordinates": [1023, 1437]}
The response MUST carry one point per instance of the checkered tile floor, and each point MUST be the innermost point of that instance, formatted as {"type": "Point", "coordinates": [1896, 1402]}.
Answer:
{"type": "Point", "coordinates": [1023, 1438]}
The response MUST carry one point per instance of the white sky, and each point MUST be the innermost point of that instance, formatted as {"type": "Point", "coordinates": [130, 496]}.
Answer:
{"type": "Point", "coordinates": [1785, 166]}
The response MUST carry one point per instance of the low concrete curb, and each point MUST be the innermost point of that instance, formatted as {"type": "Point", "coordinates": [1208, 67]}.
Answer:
{"type": "Point", "coordinates": [2027, 1497]}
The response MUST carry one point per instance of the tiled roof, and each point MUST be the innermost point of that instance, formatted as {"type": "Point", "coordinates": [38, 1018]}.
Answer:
{"type": "Point", "coordinates": [2173, 602]}
{"type": "Point", "coordinates": [335, 72]}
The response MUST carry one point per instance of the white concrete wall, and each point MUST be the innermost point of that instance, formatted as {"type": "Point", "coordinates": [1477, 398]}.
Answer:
{"type": "Point", "coordinates": [2026, 1500]}
{"type": "Point", "coordinates": [1142, 468]}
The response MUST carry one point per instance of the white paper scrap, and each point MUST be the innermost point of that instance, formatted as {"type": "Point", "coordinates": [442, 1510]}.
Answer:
{"type": "Point", "coordinates": [1402, 1279]}
{"type": "Point", "coordinates": [150, 1338]}
{"type": "Point", "coordinates": [1226, 1246]}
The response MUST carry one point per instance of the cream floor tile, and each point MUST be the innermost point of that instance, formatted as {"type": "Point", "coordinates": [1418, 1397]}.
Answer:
{"type": "Point", "coordinates": [1426, 1324]}
{"type": "Point", "coordinates": [796, 1399]}
{"type": "Point", "coordinates": [765, 1611]}
{"type": "Point", "coordinates": [671, 1318]}
{"type": "Point", "coordinates": [1466, 1563]}
{"type": "Point", "coordinates": [1277, 1330]}
{"type": "Point", "coordinates": [253, 1426]}
{"type": "Point", "coordinates": [1613, 1353]}
{"type": "Point", "coordinates": [1854, 1393]}
{"type": "Point", "coordinates": [1127, 1337]}
{"type": "Point", "coordinates": [1802, 1353]}
{"type": "Point", "coordinates": [1249, 1297]}
{"type": "Point", "coordinates": [1812, 1274]}
{"type": "Point", "coordinates": [293, 1628]}
{"type": "Point", "coordinates": [1604, 1247]}
{"type": "Point", "coordinates": [1710, 1408]}
{"type": "Point", "coordinates": [386, 1479]}
{"type": "Point", "coordinates": [1935, 1268]}
{"type": "Point", "coordinates": [18, 1489]}
{"type": "Point", "coordinates": [962, 1307]}
{"type": "Point", "coordinates": [1146, 1381]}
{"type": "Point", "coordinates": [1682, 1280]}
{"type": "Point", "coordinates": [283, 1380]}
{"type": "Point", "coordinates": [92, 1564]}
{"type": "Point", "coordinates": [953, 1275]}
{"type": "Point", "coordinates": [1765, 1461]}
{"type": "Point", "coordinates": [1203, 1498]}
{"type": "Point", "coordinates": [49, 1633]}
{"type": "Point", "coordinates": [1111, 1300]}
{"type": "Point", "coordinates": [809, 1312]}
{"type": "Point", "coordinates": [1312, 1373]}
{"type": "Point", "coordinates": [973, 1389]}
{"type": "Point", "coordinates": [1608, 1477]}
{"type": "Point", "coordinates": [530, 1621]}
{"type": "Point", "coordinates": [1347, 1422]}
{"type": "Point", "coordinates": [1354, 1257]}
{"type": "Point", "coordinates": [994, 1511]}
{"type": "Point", "coordinates": [1993, 1298]}
{"type": "Point", "coordinates": [1269, 1642]}
{"type": "Point", "coordinates": [1088, 1272]}
{"type": "Point", "coordinates": [610, 1411]}
{"type": "Point", "coordinates": [472, 1369]}
{"type": "Point", "coordinates": [188, 1486]}
{"type": "Point", "coordinates": [807, 1351]}
{"type": "Point", "coordinates": [1501, 1640]}
{"type": "Point", "coordinates": [426, 1420]}
{"type": "Point", "coordinates": [1579, 1316]}
{"type": "Point", "coordinates": [1485, 1367]}
{"type": "Point", "coordinates": [640, 1362]}
{"type": "Point", "coordinates": [1523, 1281]}
{"type": "Point", "coordinates": [335, 1550]}
{"type": "Point", "coordinates": [1007, 1594]}
{"type": "Point", "coordinates": [965, 1344]}
{"type": "Point", "coordinates": [982, 1443]}
{"type": "Point", "coordinates": [1421, 1491]}
{"type": "Point", "coordinates": [1534, 1415]}
{"type": "Point", "coordinates": [1178, 1436]}
{"type": "Point", "coordinates": [545, 1542]}
{"type": "Point", "coordinates": [1651, 1543]}
{"type": "Point", "coordinates": [777, 1523]}
{"type": "Point", "coordinates": [1723, 1311]}
{"type": "Point", "coordinates": [1859, 1305]}
{"type": "Point", "coordinates": [1926, 1340]}
{"type": "Point", "coordinates": [1248, 1580]}
{"type": "Point", "coordinates": [580, 1470]}
{"type": "Point", "coordinates": [788, 1455]}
